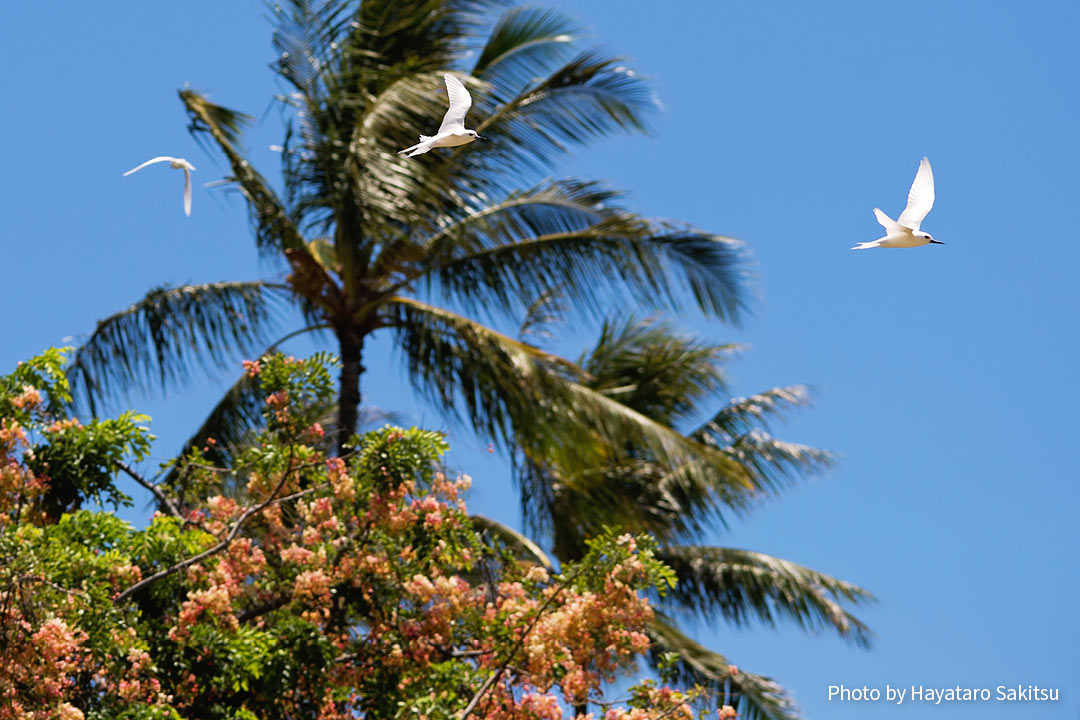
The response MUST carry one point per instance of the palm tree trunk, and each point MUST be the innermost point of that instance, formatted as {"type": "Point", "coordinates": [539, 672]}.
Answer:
{"type": "Point", "coordinates": [352, 348]}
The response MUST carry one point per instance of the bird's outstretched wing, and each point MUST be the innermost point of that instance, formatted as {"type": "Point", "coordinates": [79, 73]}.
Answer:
{"type": "Point", "coordinates": [920, 198]}
{"type": "Point", "coordinates": [891, 227]}
{"type": "Point", "coordinates": [160, 158]}
{"type": "Point", "coordinates": [187, 191]}
{"type": "Point", "coordinates": [460, 102]}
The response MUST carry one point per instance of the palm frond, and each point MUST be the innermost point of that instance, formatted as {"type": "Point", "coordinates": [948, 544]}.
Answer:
{"type": "Point", "coordinates": [399, 195]}
{"type": "Point", "coordinates": [591, 95]}
{"type": "Point", "coordinates": [546, 310]}
{"type": "Point", "coordinates": [742, 414]}
{"type": "Point", "coordinates": [507, 388]}
{"type": "Point", "coordinates": [755, 697]}
{"type": "Point", "coordinates": [159, 339]}
{"type": "Point", "coordinates": [387, 38]}
{"type": "Point", "coordinates": [743, 586]}
{"type": "Point", "coordinates": [571, 506]}
{"type": "Point", "coordinates": [460, 228]}
{"type": "Point", "coordinates": [468, 369]}
{"type": "Point", "coordinates": [553, 206]}
{"type": "Point", "coordinates": [529, 127]}
{"type": "Point", "coordinates": [629, 488]}
{"type": "Point", "coordinates": [737, 430]}
{"type": "Point", "coordinates": [524, 40]}
{"type": "Point", "coordinates": [274, 229]}
{"type": "Point", "coordinates": [647, 365]}
{"type": "Point", "coordinates": [776, 464]}
{"type": "Point", "coordinates": [305, 36]}
{"type": "Point", "coordinates": [521, 545]}
{"type": "Point", "coordinates": [621, 256]}
{"type": "Point", "coordinates": [710, 266]}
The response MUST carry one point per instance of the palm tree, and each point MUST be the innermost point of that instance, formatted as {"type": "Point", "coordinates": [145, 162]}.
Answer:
{"type": "Point", "coordinates": [374, 242]}
{"type": "Point", "coordinates": [649, 368]}
{"type": "Point", "coordinates": [438, 250]}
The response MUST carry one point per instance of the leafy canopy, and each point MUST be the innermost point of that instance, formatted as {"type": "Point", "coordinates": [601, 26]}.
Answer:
{"type": "Point", "coordinates": [330, 587]}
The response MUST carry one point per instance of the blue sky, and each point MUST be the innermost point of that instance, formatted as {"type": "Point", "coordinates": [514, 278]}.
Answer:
{"type": "Point", "coordinates": [943, 374]}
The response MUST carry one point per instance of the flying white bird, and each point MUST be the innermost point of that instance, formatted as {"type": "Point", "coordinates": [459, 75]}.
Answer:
{"type": "Point", "coordinates": [173, 163]}
{"type": "Point", "coordinates": [904, 232]}
{"type": "Point", "coordinates": [452, 132]}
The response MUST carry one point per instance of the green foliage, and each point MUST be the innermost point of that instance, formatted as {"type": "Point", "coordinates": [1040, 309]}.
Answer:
{"type": "Point", "coordinates": [306, 385]}
{"type": "Point", "coordinates": [609, 550]}
{"type": "Point", "coordinates": [45, 373]}
{"type": "Point", "coordinates": [69, 462]}
{"type": "Point", "coordinates": [363, 229]}
{"type": "Point", "coordinates": [308, 382]}
{"type": "Point", "coordinates": [396, 452]}
{"type": "Point", "coordinates": [355, 585]}
{"type": "Point", "coordinates": [166, 541]}
{"type": "Point", "coordinates": [83, 459]}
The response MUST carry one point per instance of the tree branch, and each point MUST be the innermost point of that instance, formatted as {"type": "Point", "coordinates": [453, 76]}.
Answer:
{"type": "Point", "coordinates": [161, 496]}
{"type": "Point", "coordinates": [517, 646]}
{"type": "Point", "coordinates": [247, 514]}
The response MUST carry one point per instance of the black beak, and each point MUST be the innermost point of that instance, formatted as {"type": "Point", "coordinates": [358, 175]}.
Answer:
{"type": "Point", "coordinates": [481, 137]}
{"type": "Point", "coordinates": [937, 242]}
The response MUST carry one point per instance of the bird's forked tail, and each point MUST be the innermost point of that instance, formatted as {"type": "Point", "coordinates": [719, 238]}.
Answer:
{"type": "Point", "coordinates": [417, 149]}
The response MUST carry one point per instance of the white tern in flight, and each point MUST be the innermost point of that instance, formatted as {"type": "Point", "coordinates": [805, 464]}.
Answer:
{"type": "Point", "coordinates": [452, 132]}
{"type": "Point", "coordinates": [904, 232]}
{"type": "Point", "coordinates": [173, 163]}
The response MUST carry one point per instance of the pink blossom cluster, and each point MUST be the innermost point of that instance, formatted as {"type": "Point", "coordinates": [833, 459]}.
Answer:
{"type": "Point", "coordinates": [41, 662]}
{"type": "Point", "coordinates": [19, 486]}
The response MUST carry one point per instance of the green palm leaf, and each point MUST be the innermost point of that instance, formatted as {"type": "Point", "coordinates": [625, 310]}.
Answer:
{"type": "Point", "coordinates": [505, 386]}
{"type": "Point", "coordinates": [742, 586]}
{"type": "Point", "coordinates": [274, 229]}
{"type": "Point", "coordinates": [622, 255]}
{"type": "Point", "coordinates": [523, 39]}
{"type": "Point", "coordinates": [160, 338]}
{"type": "Point", "coordinates": [553, 206]}
{"type": "Point", "coordinates": [742, 414]}
{"type": "Point", "coordinates": [521, 545]}
{"type": "Point", "coordinates": [651, 367]}
{"type": "Point", "coordinates": [737, 429]}
{"type": "Point", "coordinates": [589, 96]}
{"type": "Point", "coordinates": [549, 308]}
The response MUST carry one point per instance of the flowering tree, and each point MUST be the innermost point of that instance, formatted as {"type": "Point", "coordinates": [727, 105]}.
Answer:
{"type": "Point", "coordinates": [328, 587]}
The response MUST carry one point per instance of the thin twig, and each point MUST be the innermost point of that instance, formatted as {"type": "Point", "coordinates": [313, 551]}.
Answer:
{"type": "Point", "coordinates": [672, 709]}
{"type": "Point", "coordinates": [43, 581]}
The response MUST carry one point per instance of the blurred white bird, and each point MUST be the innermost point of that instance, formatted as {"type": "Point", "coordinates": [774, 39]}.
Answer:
{"type": "Point", "coordinates": [173, 163]}
{"type": "Point", "coordinates": [904, 232]}
{"type": "Point", "coordinates": [452, 132]}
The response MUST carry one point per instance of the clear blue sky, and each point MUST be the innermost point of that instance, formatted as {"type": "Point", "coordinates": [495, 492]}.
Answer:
{"type": "Point", "coordinates": [945, 374]}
